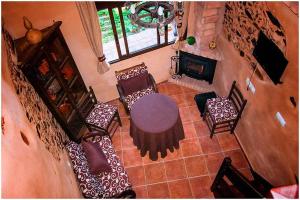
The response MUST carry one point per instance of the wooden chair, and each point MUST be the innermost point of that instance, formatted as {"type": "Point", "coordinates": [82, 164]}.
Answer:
{"type": "Point", "coordinates": [99, 116]}
{"type": "Point", "coordinates": [134, 83]}
{"type": "Point", "coordinates": [223, 113]}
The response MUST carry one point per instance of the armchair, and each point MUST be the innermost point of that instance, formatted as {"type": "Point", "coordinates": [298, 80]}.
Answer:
{"type": "Point", "coordinates": [134, 83]}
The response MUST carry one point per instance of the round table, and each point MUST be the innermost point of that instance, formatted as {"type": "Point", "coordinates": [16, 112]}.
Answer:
{"type": "Point", "coordinates": [155, 125]}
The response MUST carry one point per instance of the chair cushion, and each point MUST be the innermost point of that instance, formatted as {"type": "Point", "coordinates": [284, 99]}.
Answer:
{"type": "Point", "coordinates": [89, 184]}
{"type": "Point", "coordinates": [135, 83]}
{"type": "Point", "coordinates": [116, 181]}
{"type": "Point", "coordinates": [96, 159]}
{"type": "Point", "coordinates": [221, 109]}
{"type": "Point", "coordinates": [135, 71]}
{"type": "Point", "coordinates": [131, 99]}
{"type": "Point", "coordinates": [101, 115]}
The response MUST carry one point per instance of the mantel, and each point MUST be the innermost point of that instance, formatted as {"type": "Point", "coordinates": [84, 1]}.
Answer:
{"type": "Point", "coordinates": [215, 54]}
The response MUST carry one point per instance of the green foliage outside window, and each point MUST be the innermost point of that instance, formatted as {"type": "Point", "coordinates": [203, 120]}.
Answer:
{"type": "Point", "coordinates": [106, 27]}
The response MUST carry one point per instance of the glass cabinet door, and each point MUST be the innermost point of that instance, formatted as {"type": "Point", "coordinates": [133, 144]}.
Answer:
{"type": "Point", "coordinates": [68, 72]}
{"type": "Point", "coordinates": [43, 71]}
{"type": "Point", "coordinates": [54, 91]}
{"type": "Point", "coordinates": [65, 108]}
{"type": "Point", "coordinates": [77, 89]}
{"type": "Point", "coordinates": [57, 51]}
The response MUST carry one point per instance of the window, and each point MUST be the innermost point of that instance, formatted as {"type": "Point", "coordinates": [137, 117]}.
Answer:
{"type": "Point", "coordinates": [122, 40]}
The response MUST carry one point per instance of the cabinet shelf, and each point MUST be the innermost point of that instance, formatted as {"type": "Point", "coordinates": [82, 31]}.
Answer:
{"type": "Point", "coordinates": [73, 81]}
{"type": "Point", "coordinates": [51, 69]}
{"type": "Point", "coordinates": [47, 84]}
{"type": "Point", "coordinates": [60, 66]}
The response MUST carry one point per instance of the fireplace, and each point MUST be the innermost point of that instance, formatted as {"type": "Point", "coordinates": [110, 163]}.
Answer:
{"type": "Point", "coordinates": [197, 67]}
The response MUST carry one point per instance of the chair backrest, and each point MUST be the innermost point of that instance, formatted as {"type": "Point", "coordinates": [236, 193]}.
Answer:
{"type": "Point", "coordinates": [131, 72]}
{"type": "Point", "coordinates": [237, 98]}
{"type": "Point", "coordinates": [87, 102]}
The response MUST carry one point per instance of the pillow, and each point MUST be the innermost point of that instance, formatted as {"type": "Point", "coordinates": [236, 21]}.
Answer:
{"type": "Point", "coordinates": [135, 83]}
{"type": "Point", "coordinates": [95, 157]}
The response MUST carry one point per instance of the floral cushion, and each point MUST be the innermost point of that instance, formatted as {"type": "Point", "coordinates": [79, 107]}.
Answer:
{"type": "Point", "coordinates": [221, 109]}
{"type": "Point", "coordinates": [101, 115]}
{"type": "Point", "coordinates": [132, 72]}
{"type": "Point", "coordinates": [89, 184]}
{"type": "Point", "coordinates": [131, 99]}
{"type": "Point", "coordinates": [105, 184]}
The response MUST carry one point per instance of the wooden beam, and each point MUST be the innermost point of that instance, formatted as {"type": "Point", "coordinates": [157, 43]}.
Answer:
{"type": "Point", "coordinates": [158, 36]}
{"type": "Point", "coordinates": [166, 30]}
{"type": "Point", "coordinates": [113, 24]}
{"type": "Point", "coordinates": [108, 4]}
{"type": "Point", "coordinates": [123, 30]}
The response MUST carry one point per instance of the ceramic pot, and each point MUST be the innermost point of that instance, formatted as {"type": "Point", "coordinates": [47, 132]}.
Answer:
{"type": "Point", "coordinates": [33, 36]}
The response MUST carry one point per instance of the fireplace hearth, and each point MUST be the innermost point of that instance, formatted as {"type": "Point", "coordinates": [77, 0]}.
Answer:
{"type": "Point", "coordinates": [197, 67]}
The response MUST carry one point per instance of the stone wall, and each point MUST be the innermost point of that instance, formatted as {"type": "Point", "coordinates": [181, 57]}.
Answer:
{"type": "Point", "coordinates": [242, 23]}
{"type": "Point", "coordinates": [205, 24]}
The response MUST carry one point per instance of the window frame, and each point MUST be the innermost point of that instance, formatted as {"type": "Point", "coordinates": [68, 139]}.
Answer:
{"type": "Point", "coordinates": [119, 4]}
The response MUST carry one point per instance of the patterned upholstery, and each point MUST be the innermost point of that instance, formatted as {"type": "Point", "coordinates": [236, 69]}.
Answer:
{"type": "Point", "coordinates": [221, 109]}
{"type": "Point", "coordinates": [117, 181]}
{"type": "Point", "coordinates": [101, 115]}
{"type": "Point", "coordinates": [132, 98]}
{"type": "Point", "coordinates": [105, 184]}
{"type": "Point", "coordinates": [88, 183]}
{"type": "Point", "coordinates": [132, 72]}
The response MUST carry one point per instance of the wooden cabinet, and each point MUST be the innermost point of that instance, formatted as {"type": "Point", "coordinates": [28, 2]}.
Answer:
{"type": "Point", "coordinates": [50, 68]}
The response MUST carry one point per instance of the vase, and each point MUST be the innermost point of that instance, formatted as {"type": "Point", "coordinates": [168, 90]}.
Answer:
{"type": "Point", "coordinates": [33, 36]}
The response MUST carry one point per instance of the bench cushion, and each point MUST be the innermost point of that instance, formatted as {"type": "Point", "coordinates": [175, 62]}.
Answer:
{"type": "Point", "coordinates": [105, 184]}
{"type": "Point", "coordinates": [89, 184]}
{"type": "Point", "coordinates": [116, 181]}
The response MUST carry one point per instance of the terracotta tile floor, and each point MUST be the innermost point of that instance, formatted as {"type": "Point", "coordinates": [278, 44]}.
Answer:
{"type": "Point", "coordinates": [187, 172]}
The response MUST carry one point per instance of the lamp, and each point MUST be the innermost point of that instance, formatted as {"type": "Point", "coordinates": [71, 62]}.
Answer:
{"type": "Point", "coordinates": [150, 14]}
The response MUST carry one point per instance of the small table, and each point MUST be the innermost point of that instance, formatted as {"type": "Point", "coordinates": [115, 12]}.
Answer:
{"type": "Point", "coordinates": [155, 125]}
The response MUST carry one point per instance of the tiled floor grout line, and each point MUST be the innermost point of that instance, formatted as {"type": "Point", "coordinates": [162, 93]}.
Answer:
{"type": "Point", "coordinates": [195, 138]}
{"type": "Point", "coordinates": [145, 181]}
{"type": "Point", "coordinates": [222, 151]}
{"type": "Point", "coordinates": [121, 141]}
{"type": "Point", "coordinates": [183, 157]}
{"type": "Point", "coordinates": [167, 179]}
{"type": "Point", "coordinates": [232, 150]}
{"type": "Point", "coordinates": [187, 176]}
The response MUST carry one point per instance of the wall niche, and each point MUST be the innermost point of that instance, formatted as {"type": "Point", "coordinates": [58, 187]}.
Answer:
{"type": "Point", "coordinates": [242, 23]}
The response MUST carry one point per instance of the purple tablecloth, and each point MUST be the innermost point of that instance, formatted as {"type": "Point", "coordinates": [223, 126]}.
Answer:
{"type": "Point", "coordinates": [155, 125]}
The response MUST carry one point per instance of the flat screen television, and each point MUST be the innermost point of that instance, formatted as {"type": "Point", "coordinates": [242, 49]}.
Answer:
{"type": "Point", "coordinates": [270, 57]}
